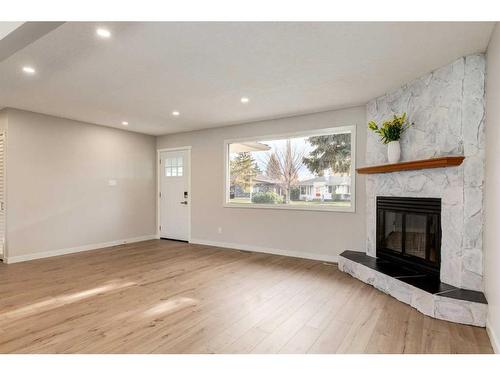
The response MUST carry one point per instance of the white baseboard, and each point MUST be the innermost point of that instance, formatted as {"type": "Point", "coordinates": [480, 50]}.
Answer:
{"type": "Point", "coordinates": [258, 249]}
{"type": "Point", "coordinates": [71, 250]}
{"type": "Point", "coordinates": [266, 250]}
{"type": "Point", "coordinates": [495, 341]}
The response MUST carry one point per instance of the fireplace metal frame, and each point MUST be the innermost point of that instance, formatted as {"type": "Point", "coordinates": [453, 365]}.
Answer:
{"type": "Point", "coordinates": [407, 205]}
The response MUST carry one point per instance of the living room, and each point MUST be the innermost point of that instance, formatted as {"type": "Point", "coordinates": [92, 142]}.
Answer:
{"type": "Point", "coordinates": [242, 187]}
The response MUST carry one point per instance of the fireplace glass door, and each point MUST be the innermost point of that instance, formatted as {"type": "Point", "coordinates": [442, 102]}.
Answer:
{"type": "Point", "coordinates": [409, 230]}
{"type": "Point", "coordinates": [393, 231]}
{"type": "Point", "coordinates": [415, 235]}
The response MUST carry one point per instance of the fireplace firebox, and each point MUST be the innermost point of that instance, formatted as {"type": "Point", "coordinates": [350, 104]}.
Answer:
{"type": "Point", "coordinates": [409, 232]}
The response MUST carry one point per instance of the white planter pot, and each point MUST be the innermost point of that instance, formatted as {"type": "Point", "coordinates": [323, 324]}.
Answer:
{"type": "Point", "coordinates": [393, 151]}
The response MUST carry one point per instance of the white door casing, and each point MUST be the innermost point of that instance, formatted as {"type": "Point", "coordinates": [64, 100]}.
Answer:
{"type": "Point", "coordinates": [174, 194]}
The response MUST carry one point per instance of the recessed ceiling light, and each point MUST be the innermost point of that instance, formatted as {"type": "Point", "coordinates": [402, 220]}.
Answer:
{"type": "Point", "coordinates": [103, 33]}
{"type": "Point", "coordinates": [124, 123]}
{"type": "Point", "coordinates": [244, 99]}
{"type": "Point", "coordinates": [176, 113]}
{"type": "Point", "coordinates": [29, 70]}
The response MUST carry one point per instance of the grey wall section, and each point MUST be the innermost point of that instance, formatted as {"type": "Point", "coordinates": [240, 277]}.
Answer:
{"type": "Point", "coordinates": [321, 235]}
{"type": "Point", "coordinates": [3, 129]}
{"type": "Point", "coordinates": [57, 185]}
{"type": "Point", "coordinates": [3, 120]}
{"type": "Point", "coordinates": [492, 198]}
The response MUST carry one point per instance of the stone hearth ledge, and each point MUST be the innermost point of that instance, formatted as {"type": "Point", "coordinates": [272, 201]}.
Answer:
{"type": "Point", "coordinates": [433, 305]}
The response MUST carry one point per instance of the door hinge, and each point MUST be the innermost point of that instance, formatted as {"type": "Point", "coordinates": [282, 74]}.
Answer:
{"type": "Point", "coordinates": [160, 194]}
{"type": "Point", "coordinates": [159, 227]}
{"type": "Point", "coordinates": [160, 161]}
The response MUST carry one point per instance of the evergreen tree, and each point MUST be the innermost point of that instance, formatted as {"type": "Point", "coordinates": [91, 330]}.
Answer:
{"type": "Point", "coordinates": [243, 170]}
{"type": "Point", "coordinates": [332, 152]}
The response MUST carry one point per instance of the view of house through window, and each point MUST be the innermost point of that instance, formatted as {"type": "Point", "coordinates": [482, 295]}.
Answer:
{"type": "Point", "coordinates": [297, 171]}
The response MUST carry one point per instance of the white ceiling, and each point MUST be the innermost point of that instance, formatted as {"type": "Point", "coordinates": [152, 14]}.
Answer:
{"type": "Point", "coordinates": [147, 70]}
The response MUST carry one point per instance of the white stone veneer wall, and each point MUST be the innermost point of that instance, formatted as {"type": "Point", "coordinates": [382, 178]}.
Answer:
{"type": "Point", "coordinates": [447, 107]}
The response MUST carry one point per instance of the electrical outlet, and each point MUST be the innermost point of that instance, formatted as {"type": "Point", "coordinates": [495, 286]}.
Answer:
{"type": "Point", "coordinates": [219, 230]}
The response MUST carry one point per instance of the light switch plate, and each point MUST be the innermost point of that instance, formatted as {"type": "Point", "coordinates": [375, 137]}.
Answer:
{"type": "Point", "coordinates": [112, 182]}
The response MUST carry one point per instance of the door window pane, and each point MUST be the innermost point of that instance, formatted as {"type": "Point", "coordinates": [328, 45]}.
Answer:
{"type": "Point", "coordinates": [174, 167]}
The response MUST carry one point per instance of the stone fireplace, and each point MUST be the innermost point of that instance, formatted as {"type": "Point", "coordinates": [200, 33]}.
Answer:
{"type": "Point", "coordinates": [447, 108]}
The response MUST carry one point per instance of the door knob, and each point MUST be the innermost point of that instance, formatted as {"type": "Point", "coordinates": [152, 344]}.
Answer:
{"type": "Point", "coordinates": [184, 202]}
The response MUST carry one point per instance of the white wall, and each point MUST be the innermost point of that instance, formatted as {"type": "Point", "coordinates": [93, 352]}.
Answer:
{"type": "Point", "coordinates": [492, 197]}
{"type": "Point", "coordinates": [321, 235]}
{"type": "Point", "coordinates": [58, 196]}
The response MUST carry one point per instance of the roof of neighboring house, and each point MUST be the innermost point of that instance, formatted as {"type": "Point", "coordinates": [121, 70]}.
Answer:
{"type": "Point", "coordinates": [266, 180]}
{"type": "Point", "coordinates": [330, 180]}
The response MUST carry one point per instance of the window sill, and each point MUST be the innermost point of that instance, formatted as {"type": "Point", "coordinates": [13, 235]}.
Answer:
{"type": "Point", "coordinates": [350, 209]}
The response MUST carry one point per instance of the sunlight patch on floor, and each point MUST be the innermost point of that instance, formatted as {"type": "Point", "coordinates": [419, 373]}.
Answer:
{"type": "Point", "coordinates": [58, 301]}
{"type": "Point", "coordinates": [170, 306]}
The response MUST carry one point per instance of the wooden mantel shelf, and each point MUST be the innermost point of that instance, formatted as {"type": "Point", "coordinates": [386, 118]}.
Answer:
{"type": "Point", "coordinates": [442, 162]}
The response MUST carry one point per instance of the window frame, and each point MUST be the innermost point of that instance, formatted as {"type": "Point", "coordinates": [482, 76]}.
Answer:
{"type": "Point", "coordinates": [308, 133]}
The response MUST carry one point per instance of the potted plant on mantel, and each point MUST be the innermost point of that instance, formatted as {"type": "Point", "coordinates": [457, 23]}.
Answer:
{"type": "Point", "coordinates": [390, 133]}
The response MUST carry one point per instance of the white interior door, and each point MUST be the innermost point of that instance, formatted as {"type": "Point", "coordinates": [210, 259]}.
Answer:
{"type": "Point", "coordinates": [175, 197]}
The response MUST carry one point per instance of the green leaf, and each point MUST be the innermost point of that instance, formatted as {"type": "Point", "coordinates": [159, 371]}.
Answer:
{"type": "Point", "coordinates": [391, 130]}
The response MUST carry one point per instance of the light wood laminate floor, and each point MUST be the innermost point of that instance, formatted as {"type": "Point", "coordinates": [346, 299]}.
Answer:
{"type": "Point", "coordinates": [169, 297]}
